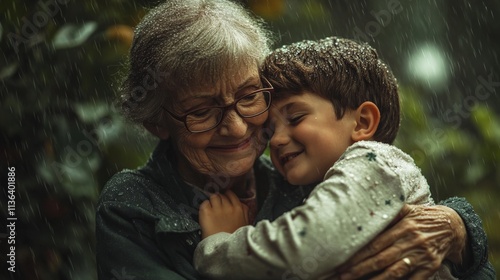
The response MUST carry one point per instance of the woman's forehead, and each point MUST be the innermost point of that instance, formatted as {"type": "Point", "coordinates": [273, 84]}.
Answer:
{"type": "Point", "coordinates": [227, 84]}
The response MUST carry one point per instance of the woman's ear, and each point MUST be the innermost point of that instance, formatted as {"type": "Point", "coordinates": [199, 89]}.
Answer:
{"type": "Point", "coordinates": [367, 119]}
{"type": "Point", "coordinates": [159, 131]}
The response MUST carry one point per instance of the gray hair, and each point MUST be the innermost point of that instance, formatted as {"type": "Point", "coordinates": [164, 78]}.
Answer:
{"type": "Point", "coordinates": [183, 45]}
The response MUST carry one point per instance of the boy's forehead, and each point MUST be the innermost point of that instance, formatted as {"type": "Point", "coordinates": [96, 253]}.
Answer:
{"type": "Point", "coordinates": [284, 100]}
{"type": "Point", "coordinates": [282, 96]}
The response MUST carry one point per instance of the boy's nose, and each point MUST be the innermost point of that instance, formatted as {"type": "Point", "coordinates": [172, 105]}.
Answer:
{"type": "Point", "coordinates": [280, 137]}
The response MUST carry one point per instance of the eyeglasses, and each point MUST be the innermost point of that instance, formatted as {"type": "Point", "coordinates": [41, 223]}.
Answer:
{"type": "Point", "coordinates": [247, 106]}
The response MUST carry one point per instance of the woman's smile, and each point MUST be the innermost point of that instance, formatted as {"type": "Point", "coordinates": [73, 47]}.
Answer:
{"type": "Point", "coordinates": [231, 148]}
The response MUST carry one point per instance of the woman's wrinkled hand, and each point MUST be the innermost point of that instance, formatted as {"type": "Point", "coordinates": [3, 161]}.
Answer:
{"type": "Point", "coordinates": [413, 247]}
{"type": "Point", "coordinates": [222, 213]}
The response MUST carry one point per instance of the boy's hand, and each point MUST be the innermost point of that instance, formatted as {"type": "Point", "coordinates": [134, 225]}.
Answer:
{"type": "Point", "coordinates": [222, 213]}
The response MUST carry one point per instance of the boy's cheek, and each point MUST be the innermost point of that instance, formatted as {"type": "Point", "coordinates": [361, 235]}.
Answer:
{"type": "Point", "coordinates": [276, 163]}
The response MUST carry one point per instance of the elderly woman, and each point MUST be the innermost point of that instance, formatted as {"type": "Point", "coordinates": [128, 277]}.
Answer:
{"type": "Point", "coordinates": [194, 83]}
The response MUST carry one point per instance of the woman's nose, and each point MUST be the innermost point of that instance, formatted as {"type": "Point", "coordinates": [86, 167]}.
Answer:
{"type": "Point", "coordinates": [233, 125]}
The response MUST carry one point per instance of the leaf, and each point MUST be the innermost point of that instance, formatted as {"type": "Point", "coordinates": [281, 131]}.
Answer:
{"type": "Point", "coordinates": [8, 70]}
{"type": "Point", "coordinates": [487, 123]}
{"type": "Point", "coordinates": [71, 35]}
{"type": "Point", "coordinates": [91, 112]}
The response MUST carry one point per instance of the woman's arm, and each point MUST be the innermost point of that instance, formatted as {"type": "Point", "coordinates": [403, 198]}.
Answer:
{"type": "Point", "coordinates": [432, 234]}
{"type": "Point", "coordinates": [474, 264]}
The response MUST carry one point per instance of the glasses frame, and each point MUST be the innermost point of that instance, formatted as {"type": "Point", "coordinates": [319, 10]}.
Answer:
{"type": "Point", "coordinates": [224, 108]}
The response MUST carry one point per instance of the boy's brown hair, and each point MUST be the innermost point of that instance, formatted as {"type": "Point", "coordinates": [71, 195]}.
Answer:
{"type": "Point", "coordinates": [345, 72]}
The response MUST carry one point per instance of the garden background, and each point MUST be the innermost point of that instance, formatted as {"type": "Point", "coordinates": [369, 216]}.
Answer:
{"type": "Point", "coordinates": [61, 62]}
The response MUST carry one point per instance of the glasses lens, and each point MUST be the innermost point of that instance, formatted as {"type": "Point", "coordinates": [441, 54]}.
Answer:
{"type": "Point", "coordinates": [203, 119]}
{"type": "Point", "coordinates": [249, 106]}
{"type": "Point", "coordinates": [254, 104]}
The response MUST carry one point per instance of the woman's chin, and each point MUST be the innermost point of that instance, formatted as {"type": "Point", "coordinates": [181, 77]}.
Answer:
{"type": "Point", "coordinates": [239, 167]}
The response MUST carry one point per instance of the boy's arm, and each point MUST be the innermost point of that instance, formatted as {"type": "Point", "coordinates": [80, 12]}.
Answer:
{"type": "Point", "coordinates": [341, 215]}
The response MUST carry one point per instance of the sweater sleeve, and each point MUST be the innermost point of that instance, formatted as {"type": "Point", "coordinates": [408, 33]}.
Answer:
{"type": "Point", "coordinates": [341, 215]}
{"type": "Point", "coordinates": [480, 268]}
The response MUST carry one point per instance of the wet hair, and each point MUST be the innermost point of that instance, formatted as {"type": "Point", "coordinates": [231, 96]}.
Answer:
{"type": "Point", "coordinates": [186, 45]}
{"type": "Point", "coordinates": [341, 70]}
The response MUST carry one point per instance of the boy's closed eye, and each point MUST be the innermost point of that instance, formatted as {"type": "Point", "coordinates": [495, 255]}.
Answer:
{"type": "Point", "coordinates": [295, 118]}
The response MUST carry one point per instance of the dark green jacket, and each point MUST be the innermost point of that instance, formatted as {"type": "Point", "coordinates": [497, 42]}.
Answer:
{"type": "Point", "coordinates": [147, 220]}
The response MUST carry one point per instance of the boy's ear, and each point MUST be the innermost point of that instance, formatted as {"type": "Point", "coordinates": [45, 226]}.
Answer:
{"type": "Point", "coordinates": [367, 119]}
{"type": "Point", "coordinates": [159, 131]}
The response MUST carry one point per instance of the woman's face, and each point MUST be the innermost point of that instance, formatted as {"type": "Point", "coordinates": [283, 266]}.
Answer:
{"type": "Point", "coordinates": [231, 148]}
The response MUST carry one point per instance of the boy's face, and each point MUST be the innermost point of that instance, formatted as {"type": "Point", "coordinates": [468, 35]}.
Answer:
{"type": "Point", "coordinates": [308, 138]}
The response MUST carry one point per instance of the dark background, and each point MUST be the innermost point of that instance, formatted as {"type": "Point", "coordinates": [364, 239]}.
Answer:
{"type": "Point", "coordinates": [61, 62]}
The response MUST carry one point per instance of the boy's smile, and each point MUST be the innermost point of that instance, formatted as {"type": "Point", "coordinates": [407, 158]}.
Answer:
{"type": "Point", "coordinates": [288, 156]}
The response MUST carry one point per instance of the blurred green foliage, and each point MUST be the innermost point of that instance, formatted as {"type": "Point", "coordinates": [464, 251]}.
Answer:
{"type": "Point", "coordinates": [457, 161]}
{"type": "Point", "coordinates": [60, 66]}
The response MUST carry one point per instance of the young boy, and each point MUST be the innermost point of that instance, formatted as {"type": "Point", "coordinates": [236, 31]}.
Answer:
{"type": "Point", "coordinates": [334, 115]}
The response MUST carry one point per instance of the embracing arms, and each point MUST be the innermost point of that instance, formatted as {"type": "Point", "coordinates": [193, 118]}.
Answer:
{"type": "Point", "coordinates": [340, 216]}
{"type": "Point", "coordinates": [423, 234]}
{"type": "Point", "coordinates": [450, 232]}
